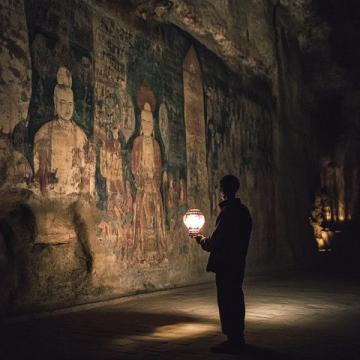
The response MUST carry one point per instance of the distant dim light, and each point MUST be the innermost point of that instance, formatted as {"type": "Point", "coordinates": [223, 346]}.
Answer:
{"type": "Point", "coordinates": [325, 241]}
{"type": "Point", "coordinates": [194, 220]}
{"type": "Point", "coordinates": [327, 213]}
{"type": "Point", "coordinates": [341, 212]}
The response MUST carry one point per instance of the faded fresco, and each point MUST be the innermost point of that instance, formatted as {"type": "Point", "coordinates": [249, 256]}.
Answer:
{"type": "Point", "coordinates": [61, 147]}
{"type": "Point", "coordinates": [197, 172]}
{"type": "Point", "coordinates": [68, 43]}
{"type": "Point", "coordinates": [15, 93]}
{"type": "Point", "coordinates": [59, 133]}
{"type": "Point", "coordinates": [164, 126]}
{"type": "Point", "coordinates": [114, 125]}
{"type": "Point", "coordinates": [63, 167]}
{"type": "Point", "coordinates": [121, 134]}
{"type": "Point", "coordinates": [146, 166]}
{"type": "Point", "coordinates": [239, 141]}
{"type": "Point", "coordinates": [127, 115]}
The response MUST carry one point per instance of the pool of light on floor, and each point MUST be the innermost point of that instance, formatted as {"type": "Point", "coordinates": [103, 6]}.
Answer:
{"type": "Point", "coordinates": [182, 330]}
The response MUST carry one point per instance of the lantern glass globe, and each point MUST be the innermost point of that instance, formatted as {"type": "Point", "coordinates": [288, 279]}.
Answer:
{"type": "Point", "coordinates": [194, 220]}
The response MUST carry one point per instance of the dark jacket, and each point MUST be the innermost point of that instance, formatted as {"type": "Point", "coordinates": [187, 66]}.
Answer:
{"type": "Point", "coordinates": [229, 242]}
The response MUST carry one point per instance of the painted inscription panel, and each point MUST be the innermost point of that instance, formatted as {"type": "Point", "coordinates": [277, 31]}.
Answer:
{"type": "Point", "coordinates": [114, 124]}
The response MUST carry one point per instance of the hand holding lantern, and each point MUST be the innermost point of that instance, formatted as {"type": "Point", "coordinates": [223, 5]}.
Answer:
{"type": "Point", "coordinates": [194, 220]}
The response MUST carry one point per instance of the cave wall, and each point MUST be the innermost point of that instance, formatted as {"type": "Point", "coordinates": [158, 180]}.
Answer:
{"type": "Point", "coordinates": [295, 149]}
{"type": "Point", "coordinates": [332, 80]}
{"type": "Point", "coordinates": [112, 128]}
{"type": "Point", "coordinates": [336, 205]}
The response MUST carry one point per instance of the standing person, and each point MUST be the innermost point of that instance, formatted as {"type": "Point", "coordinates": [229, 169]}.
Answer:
{"type": "Point", "coordinates": [228, 247]}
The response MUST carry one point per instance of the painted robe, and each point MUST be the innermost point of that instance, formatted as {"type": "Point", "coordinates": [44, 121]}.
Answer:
{"type": "Point", "coordinates": [59, 158]}
{"type": "Point", "coordinates": [112, 169]}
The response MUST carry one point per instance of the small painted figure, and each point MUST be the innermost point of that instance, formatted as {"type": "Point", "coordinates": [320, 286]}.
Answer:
{"type": "Point", "coordinates": [111, 168]}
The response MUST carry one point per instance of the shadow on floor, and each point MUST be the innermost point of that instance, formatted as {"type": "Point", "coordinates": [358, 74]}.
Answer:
{"type": "Point", "coordinates": [252, 352]}
{"type": "Point", "coordinates": [289, 318]}
{"type": "Point", "coordinates": [81, 334]}
{"type": "Point", "coordinates": [124, 335]}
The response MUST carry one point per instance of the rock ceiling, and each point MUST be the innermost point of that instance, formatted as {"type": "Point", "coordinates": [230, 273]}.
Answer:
{"type": "Point", "coordinates": [243, 34]}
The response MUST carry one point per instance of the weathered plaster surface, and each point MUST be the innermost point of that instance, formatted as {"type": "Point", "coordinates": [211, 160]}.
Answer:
{"type": "Point", "coordinates": [130, 122]}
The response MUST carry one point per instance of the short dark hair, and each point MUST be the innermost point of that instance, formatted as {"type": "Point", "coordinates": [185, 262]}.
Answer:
{"type": "Point", "coordinates": [229, 185]}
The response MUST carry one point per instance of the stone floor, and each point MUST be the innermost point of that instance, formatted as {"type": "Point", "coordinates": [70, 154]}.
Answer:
{"type": "Point", "coordinates": [288, 317]}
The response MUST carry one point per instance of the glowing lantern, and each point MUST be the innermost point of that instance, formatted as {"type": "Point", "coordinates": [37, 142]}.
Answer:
{"type": "Point", "coordinates": [194, 220]}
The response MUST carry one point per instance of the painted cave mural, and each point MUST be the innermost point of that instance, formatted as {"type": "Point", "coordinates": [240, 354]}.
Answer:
{"type": "Point", "coordinates": [123, 133]}
{"type": "Point", "coordinates": [66, 42]}
{"type": "Point", "coordinates": [62, 164]}
{"type": "Point", "coordinates": [164, 126]}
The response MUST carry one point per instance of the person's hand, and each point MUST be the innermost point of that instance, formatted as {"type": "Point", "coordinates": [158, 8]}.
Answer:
{"type": "Point", "coordinates": [199, 237]}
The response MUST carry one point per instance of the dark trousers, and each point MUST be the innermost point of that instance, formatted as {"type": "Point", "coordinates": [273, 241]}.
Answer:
{"type": "Point", "coordinates": [231, 304]}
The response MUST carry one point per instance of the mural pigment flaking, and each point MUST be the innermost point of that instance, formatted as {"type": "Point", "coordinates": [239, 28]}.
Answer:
{"type": "Point", "coordinates": [146, 167]}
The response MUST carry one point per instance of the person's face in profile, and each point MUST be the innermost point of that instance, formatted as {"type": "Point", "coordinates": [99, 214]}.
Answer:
{"type": "Point", "coordinates": [222, 194]}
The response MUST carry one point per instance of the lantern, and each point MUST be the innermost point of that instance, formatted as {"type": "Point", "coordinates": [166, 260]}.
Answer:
{"type": "Point", "coordinates": [194, 220]}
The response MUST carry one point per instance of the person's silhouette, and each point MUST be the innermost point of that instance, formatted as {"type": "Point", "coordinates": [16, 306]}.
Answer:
{"type": "Point", "coordinates": [228, 247]}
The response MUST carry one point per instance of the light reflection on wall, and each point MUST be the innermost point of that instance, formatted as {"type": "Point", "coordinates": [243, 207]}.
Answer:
{"type": "Point", "coordinates": [341, 212]}
{"type": "Point", "coordinates": [324, 244]}
{"type": "Point", "coordinates": [327, 212]}
{"type": "Point", "coordinates": [336, 213]}
{"type": "Point", "coordinates": [335, 199]}
{"type": "Point", "coordinates": [328, 219]}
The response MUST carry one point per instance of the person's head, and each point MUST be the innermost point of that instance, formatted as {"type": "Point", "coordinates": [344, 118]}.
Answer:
{"type": "Point", "coordinates": [147, 121]}
{"type": "Point", "coordinates": [63, 102]}
{"type": "Point", "coordinates": [229, 185]}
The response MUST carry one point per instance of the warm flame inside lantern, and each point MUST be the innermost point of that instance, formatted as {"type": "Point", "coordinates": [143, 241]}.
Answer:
{"type": "Point", "coordinates": [194, 220]}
